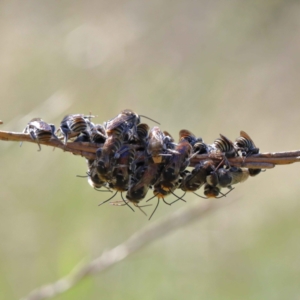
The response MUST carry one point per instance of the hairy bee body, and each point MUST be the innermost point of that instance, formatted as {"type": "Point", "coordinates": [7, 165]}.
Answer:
{"type": "Point", "coordinates": [157, 144]}
{"type": "Point", "coordinates": [142, 131]}
{"type": "Point", "coordinates": [73, 125]}
{"type": "Point", "coordinates": [40, 130]}
{"type": "Point", "coordinates": [97, 134]}
{"type": "Point", "coordinates": [245, 144]}
{"type": "Point", "coordinates": [227, 177]}
{"type": "Point", "coordinates": [123, 169]}
{"type": "Point", "coordinates": [226, 146]}
{"type": "Point", "coordinates": [144, 177]}
{"type": "Point", "coordinates": [211, 191]}
{"type": "Point", "coordinates": [178, 162]}
{"type": "Point", "coordinates": [93, 178]}
{"type": "Point", "coordinates": [194, 180]}
{"type": "Point", "coordinates": [107, 156]}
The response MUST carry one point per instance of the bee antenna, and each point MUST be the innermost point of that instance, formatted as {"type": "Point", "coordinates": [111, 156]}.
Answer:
{"type": "Point", "coordinates": [83, 176]}
{"type": "Point", "coordinates": [140, 208]}
{"type": "Point", "coordinates": [154, 208]}
{"type": "Point", "coordinates": [126, 202]}
{"type": "Point", "coordinates": [199, 196]}
{"type": "Point", "coordinates": [151, 198]}
{"type": "Point", "coordinates": [166, 202]}
{"type": "Point", "coordinates": [150, 120]}
{"type": "Point", "coordinates": [224, 195]}
{"type": "Point", "coordinates": [178, 198]}
{"type": "Point", "coordinates": [108, 199]}
{"type": "Point", "coordinates": [98, 190]}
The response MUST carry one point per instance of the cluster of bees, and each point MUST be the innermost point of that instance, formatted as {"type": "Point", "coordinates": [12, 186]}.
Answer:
{"type": "Point", "coordinates": [134, 158]}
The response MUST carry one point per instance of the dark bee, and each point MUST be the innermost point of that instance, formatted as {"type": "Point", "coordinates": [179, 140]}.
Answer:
{"type": "Point", "coordinates": [107, 157]}
{"type": "Point", "coordinates": [212, 191]}
{"type": "Point", "coordinates": [98, 134]}
{"type": "Point", "coordinates": [159, 144]}
{"type": "Point", "coordinates": [225, 146]}
{"type": "Point", "coordinates": [201, 148]}
{"type": "Point", "coordinates": [40, 131]}
{"type": "Point", "coordinates": [127, 116]}
{"type": "Point", "coordinates": [144, 177]}
{"type": "Point", "coordinates": [227, 177]}
{"type": "Point", "coordinates": [247, 147]}
{"type": "Point", "coordinates": [190, 137]}
{"type": "Point", "coordinates": [120, 176]}
{"type": "Point", "coordinates": [162, 190]}
{"type": "Point", "coordinates": [142, 131]}
{"type": "Point", "coordinates": [128, 120]}
{"type": "Point", "coordinates": [93, 178]}
{"type": "Point", "coordinates": [74, 125]}
{"type": "Point", "coordinates": [155, 145]}
{"type": "Point", "coordinates": [178, 162]}
{"type": "Point", "coordinates": [193, 181]}
{"type": "Point", "coordinates": [123, 169]}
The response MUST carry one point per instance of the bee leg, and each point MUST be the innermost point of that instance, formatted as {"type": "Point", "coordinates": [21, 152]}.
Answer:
{"type": "Point", "coordinates": [166, 201]}
{"type": "Point", "coordinates": [40, 148]}
{"type": "Point", "coordinates": [154, 209]}
{"type": "Point", "coordinates": [178, 198]}
{"type": "Point", "coordinates": [200, 196]}
{"type": "Point", "coordinates": [224, 195]}
{"type": "Point", "coordinates": [108, 199]}
{"type": "Point", "coordinates": [126, 202]}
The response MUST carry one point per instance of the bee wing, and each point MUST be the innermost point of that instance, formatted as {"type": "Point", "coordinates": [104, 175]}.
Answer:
{"type": "Point", "coordinates": [166, 133]}
{"type": "Point", "coordinates": [247, 137]}
{"type": "Point", "coordinates": [226, 139]}
{"type": "Point", "coordinates": [117, 121]}
{"type": "Point", "coordinates": [184, 133]}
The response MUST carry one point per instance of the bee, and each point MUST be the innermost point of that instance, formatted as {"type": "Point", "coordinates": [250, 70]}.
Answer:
{"type": "Point", "coordinates": [227, 177]}
{"type": "Point", "coordinates": [159, 143]}
{"type": "Point", "coordinates": [190, 137]}
{"type": "Point", "coordinates": [247, 147]}
{"type": "Point", "coordinates": [93, 178]}
{"type": "Point", "coordinates": [194, 180]}
{"type": "Point", "coordinates": [162, 190]}
{"type": "Point", "coordinates": [178, 162]}
{"type": "Point", "coordinates": [123, 169]}
{"type": "Point", "coordinates": [121, 173]}
{"type": "Point", "coordinates": [142, 131]}
{"type": "Point", "coordinates": [40, 131]}
{"type": "Point", "coordinates": [144, 177]}
{"type": "Point", "coordinates": [212, 191]}
{"type": "Point", "coordinates": [225, 146]}
{"type": "Point", "coordinates": [107, 157]}
{"type": "Point", "coordinates": [74, 125]}
{"type": "Point", "coordinates": [98, 134]}
{"type": "Point", "coordinates": [201, 148]}
{"type": "Point", "coordinates": [128, 119]}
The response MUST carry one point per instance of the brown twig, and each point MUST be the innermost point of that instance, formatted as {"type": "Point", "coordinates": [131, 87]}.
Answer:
{"type": "Point", "coordinates": [88, 150]}
{"type": "Point", "coordinates": [138, 240]}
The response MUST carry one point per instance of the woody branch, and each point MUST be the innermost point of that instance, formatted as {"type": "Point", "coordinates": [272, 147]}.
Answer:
{"type": "Point", "coordinates": [88, 150]}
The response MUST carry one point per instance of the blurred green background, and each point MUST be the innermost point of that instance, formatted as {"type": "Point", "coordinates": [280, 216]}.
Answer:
{"type": "Point", "coordinates": [208, 66]}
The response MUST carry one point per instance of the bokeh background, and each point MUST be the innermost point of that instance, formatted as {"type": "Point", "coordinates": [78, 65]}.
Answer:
{"type": "Point", "coordinates": [208, 66]}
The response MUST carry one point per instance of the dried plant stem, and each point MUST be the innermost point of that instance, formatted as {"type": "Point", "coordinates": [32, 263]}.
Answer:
{"type": "Point", "coordinates": [138, 240]}
{"type": "Point", "coordinates": [88, 150]}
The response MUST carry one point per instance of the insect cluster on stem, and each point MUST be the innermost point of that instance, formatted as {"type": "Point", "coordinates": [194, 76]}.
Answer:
{"type": "Point", "coordinates": [134, 158]}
